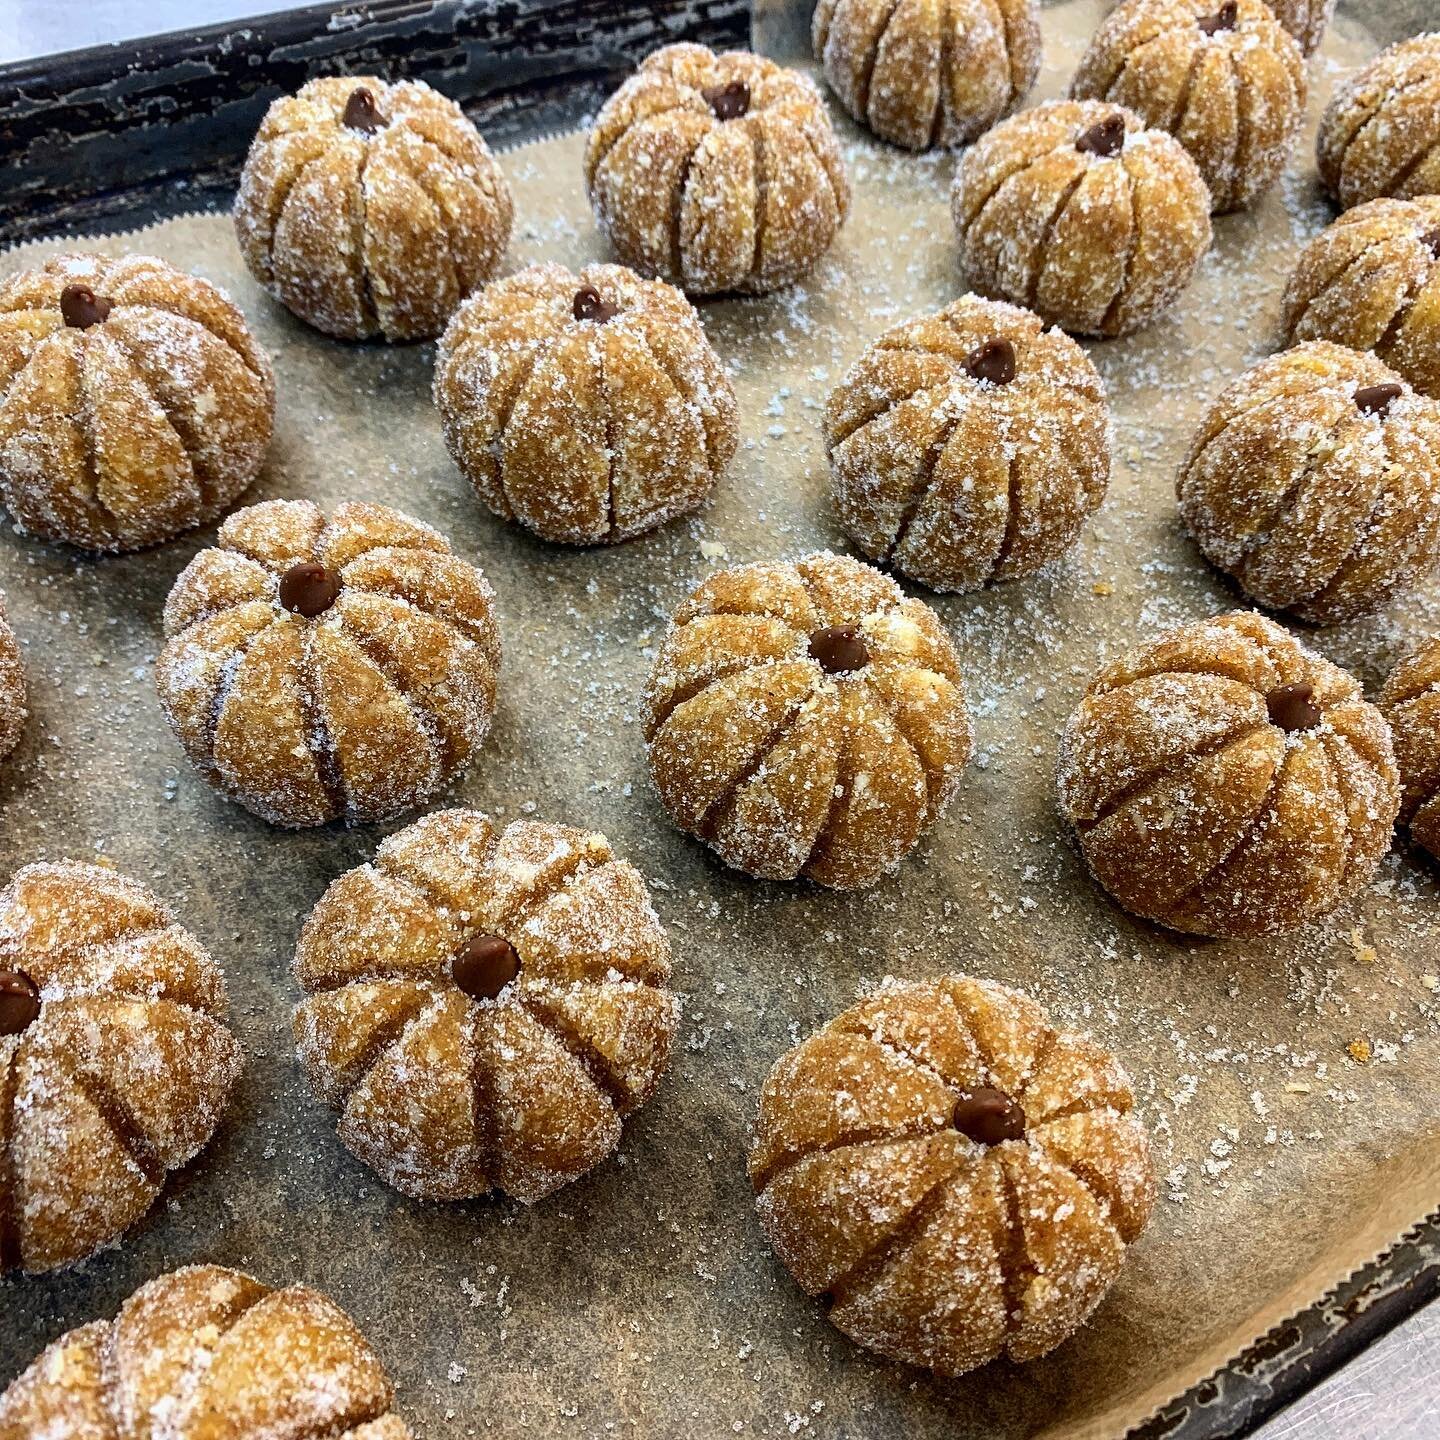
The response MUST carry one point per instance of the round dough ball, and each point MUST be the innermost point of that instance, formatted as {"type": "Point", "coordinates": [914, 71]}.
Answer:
{"type": "Point", "coordinates": [806, 719]}
{"type": "Point", "coordinates": [1227, 781]}
{"type": "Point", "coordinates": [717, 172]}
{"type": "Point", "coordinates": [968, 446]}
{"type": "Point", "coordinates": [1372, 282]}
{"type": "Point", "coordinates": [319, 669]}
{"type": "Point", "coordinates": [12, 687]}
{"type": "Point", "coordinates": [588, 407]}
{"type": "Point", "coordinates": [1410, 700]}
{"type": "Point", "coordinates": [1314, 483]}
{"type": "Point", "coordinates": [1079, 212]}
{"type": "Point", "coordinates": [115, 1063]}
{"type": "Point", "coordinates": [1380, 134]}
{"type": "Point", "coordinates": [928, 72]}
{"type": "Point", "coordinates": [371, 209]}
{"type": "Point", "coordinates": [1221, 76]}
{"type": "Point", "coordinates": [205, 1351]}
{"type": "Point", "coordinates": [1306, 20]}
{"type": "Point", "coordinates": [134, 402]}
{"type": "Point", "coordinates": [960, 1176]}
{"type": "Point", "coordinates": [483, 1009]}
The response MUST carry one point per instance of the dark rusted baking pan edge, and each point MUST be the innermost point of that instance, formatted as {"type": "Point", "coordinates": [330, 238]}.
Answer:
{"type": "Point", "coordinates": [149, 128]}
{"type": "Point", "coordinates": [121, 135]}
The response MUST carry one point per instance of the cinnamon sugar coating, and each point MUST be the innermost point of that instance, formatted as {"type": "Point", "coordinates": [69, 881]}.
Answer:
{"type": "Point", "coordinates": [1372, 282]}
{"type": "Point", "coordinates": [954, 474]}
{"type": "Point", "coordinates": [1410, 701]}
{"type": "Point", "coordinates": [485, 1008]}
{"type": "Point", "coordinates": [1227, 781]}
{"type": "Point", "coordinates": [329, 668]}
{"type": "Point", "coordinates": [717, 172]}
{"type": "Point", "coordinates": [115, 1062]}
{"type": "Point", "coordinates": [928, 72]}
{"type": "Point", "coordinates": [1314, 482]}
{"type": "Point", "coordinates": [12, 687]}
{"type": "Point", "coordinates": [1306, 20]}
{"type": "Point", "coordinates": [208, 1354]}
{"type": "Point", "coordinates": [584, 427]}
{"type": "Point", "coordinates": [1380, 134]}
{"type": "Point", "coordinates": [806, 719]}
{"type": "Point", "coordinates": [1094, 239]}
{"type": "Point", "coordinates": [1229, 86]}
{"type": "Point", "coordinates": [134, 402]}
{"type": "Point", "coordinates": [376, 223]}
{"type": "Point", "coordinates": [936, 1248]}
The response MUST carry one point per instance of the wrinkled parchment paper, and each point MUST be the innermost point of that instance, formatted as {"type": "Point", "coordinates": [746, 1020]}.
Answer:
{"type": "Point", "coordinates": [643, 1300]}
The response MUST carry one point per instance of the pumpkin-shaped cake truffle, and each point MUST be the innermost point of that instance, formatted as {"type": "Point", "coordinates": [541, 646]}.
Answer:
{"type": "Point", "coordinates": [1372, 282]}
{"type": "Point", "coordinates": [12, 688]}
{"type": "Point", "coordinates": [1410, 700]}
{"type": "Point", "coordinates": [968, 446]}
{"type": "Point", "coordinates": [1380, 134]}
{"type": "Point", "coordinates": [483, 1009]}
{"type": "Point", "coordinates": [1314, 482]}
{"type": "Point", "coordinates": [806, 719]}
{"type": "Point", "coordinates": [1081, 213]}
{"type": "Point", "coordinates": [115, 1063]}
{"type": "Point", "coordinates": [1306, 20]}
{"type": "Point", "coordinates": [1227, 781]}
{"type": "Point", "coordinates": [588, 407]}
{"type": "Point", "coordinates": [319, 669]}
{"type": "Point", "coordinates": [134, 403]}
{"type": "Point", "coordinates": [1223, 78]}
{"type": "Point", "coordinates": [960, 1176]}
{"type": "Point", "coordinates": [717, 172]}
{"type": "Point", "coordinates": [371, 209]}
{"type": "Point", "coordinates": [924, 74]}
{"type": "Point", "coordinates": [208, 1352]}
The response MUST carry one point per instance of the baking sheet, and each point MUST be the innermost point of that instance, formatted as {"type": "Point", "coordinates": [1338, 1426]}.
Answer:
{"type": "Point", "coordinates": [643, 1300]}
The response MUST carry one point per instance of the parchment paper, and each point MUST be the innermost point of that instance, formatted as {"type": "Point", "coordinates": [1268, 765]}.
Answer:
{"type": "Point", "coordinates": [643, 1300]}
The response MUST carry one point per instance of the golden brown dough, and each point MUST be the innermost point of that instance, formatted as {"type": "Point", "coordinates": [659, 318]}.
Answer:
{"type": "Point", "coordinates": [12, 687]}
{"type": "Point", "coordinates": [484, 1009]}
{"type": "Point", "coordinates": [1221, 76]}
{"type": "Point", "coordinates": [1380, 134]}
{"type": "Point", "coordinates": [717, 172]}
{"type": "Point", "coordinates": [928, 72]}
{"type": "Point", "coordinates": [115, 1063]}
{"type": "Point", "coordinates": [1372, 282]}
{"type": "Point", "coordinates": [208, 1354]}
{"type": "Point", "coordinates": [1306, 20]}
{"type": "Point", "coordinates": [371, 209]}
{"type": "Point", "coordinates": [968, 446]}
{"type": "Point", "coordinates": [329, 668]}
{"type": "Point", "coordinates": [806, 719]}
{"type": "Point", "coordinates": [958, 1176]}
{"type": "Point", "coordinates": [588, 407]}
{"type": "Point", "coordinates": [134, 402]}
{"type": "Point", "coordinates": [1410, 701]}
{"type": "Point", "coordinates": [1078, 211]}
{"type": "Point", "coordinates": [1227, 781]}
{"type": "Point", "coordinates": [1314, 483]}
